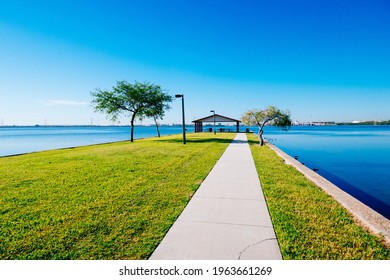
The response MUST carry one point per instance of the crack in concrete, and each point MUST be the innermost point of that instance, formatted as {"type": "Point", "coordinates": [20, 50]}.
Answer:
{"type": "Point", "coordinates": [240, 253]}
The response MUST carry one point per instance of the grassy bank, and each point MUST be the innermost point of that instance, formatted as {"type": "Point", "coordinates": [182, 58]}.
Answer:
{"type": "Point", "coordinates": [112, 201]}
{"type": "Point", "coordinates": [309, 224]}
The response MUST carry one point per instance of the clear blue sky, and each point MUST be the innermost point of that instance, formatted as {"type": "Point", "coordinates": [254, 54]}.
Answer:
{"type": "Point", "coordinates": [322, 60]}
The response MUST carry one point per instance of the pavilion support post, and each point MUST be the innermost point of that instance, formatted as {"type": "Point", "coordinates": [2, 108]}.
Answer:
{"type": "Point", "coordinates": [198, 127]}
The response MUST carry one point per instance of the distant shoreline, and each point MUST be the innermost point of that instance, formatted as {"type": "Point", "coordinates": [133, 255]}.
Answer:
{"type": "Point", "coordinates": [365, 123]}
{"type": "Point", "coordinates": [86, 125]}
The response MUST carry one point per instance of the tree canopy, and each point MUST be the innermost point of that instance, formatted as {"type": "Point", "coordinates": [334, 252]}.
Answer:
{"type": "Point", "coordinates": [137, 101]}
{"type": "Point", "coordinates": [270, 115]}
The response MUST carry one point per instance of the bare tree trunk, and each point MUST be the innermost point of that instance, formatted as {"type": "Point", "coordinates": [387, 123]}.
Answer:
{"type": "Point", "coordinates": [261, 137]}
{"type": "Point", "coordinates": [132, 129]}
{"type": "Point", "coordinates": [157, 127]}
{"type": "Point", "coordinates": [261, 133]}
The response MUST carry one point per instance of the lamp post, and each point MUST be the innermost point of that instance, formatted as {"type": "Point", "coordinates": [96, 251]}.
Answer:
{"type": "Point", "coordinates": [184, 121]}
{"type": "Point", "coordinates": [213, 111]}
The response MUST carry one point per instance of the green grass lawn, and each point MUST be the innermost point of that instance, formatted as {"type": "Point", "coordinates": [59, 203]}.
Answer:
{"type": "Point", "coordinates": [111, 201]}
{"type": "Point", "coordinates": [309, 224]}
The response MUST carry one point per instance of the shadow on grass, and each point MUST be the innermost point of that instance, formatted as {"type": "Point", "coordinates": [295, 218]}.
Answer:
{"type": "Point", "coordinates": [253, 142]}
{"type": "Point", "coordinates": [200, 140]}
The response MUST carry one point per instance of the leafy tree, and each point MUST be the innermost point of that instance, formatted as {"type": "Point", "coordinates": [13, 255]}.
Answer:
{"type": "Point", "coordinates": [270, 115]}
{"type": "Point", "coordinates": [133, 100]}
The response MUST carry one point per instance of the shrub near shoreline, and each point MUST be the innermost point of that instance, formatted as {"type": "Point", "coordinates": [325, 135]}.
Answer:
{"type": "Point", "coordinates": [110, 201]}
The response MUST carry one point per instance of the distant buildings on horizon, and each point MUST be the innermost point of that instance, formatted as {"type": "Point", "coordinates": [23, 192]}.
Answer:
{"type": "Point", "coordinates": [295, 123]}
{"type": "Point", "coordinates": [298, 123]}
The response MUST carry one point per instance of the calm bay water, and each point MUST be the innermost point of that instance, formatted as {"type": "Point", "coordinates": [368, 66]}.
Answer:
{"type": "Point", "coordinates": [18, 140]}
{"type": "Point", "coordinates": [355, 158]}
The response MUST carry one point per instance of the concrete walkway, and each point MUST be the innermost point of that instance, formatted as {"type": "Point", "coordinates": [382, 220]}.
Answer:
{"type": "Point", "coordinates": [227, 218]}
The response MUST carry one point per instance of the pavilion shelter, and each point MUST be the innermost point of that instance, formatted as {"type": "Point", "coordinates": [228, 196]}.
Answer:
{"type": "Point", "coordinates": [218, 119]}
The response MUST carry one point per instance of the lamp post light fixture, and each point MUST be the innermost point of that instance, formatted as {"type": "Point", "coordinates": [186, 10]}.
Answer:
{"type": "Point", "coordinates": [213, 111]}
{"type": "Point", "coordinates": [184, 121]}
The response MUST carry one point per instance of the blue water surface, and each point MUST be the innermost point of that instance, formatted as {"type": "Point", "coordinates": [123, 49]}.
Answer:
{"type": "Point", "coordinates": [356, 158]}
{"type": "Point", "coordinates": [18, 140]}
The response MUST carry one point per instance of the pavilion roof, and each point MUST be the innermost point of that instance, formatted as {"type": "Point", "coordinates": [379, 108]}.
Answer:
{"type": "Point", "coordinates": [218, 118]}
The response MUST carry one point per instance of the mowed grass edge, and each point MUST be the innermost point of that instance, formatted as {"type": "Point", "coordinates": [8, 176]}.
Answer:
{"type": "Point", "coordinates": [309, 224]}
{"type": "Point", "coordinates": [110, 201]}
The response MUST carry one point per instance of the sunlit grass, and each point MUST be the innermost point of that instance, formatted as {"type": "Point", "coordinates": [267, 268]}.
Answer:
{"type": "Point", "coordinates": [111, 201]}
{"type": "Point", "coordinates": [308, 223]}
